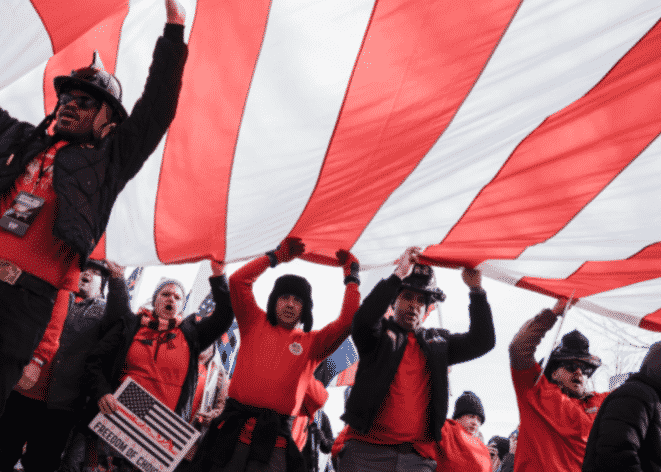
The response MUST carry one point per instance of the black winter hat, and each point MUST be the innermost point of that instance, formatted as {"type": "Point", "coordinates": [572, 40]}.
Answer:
{"type": "Point", "coordinates": [102, 267]}
{"type": "Point", "coordinates": [99, 265]}
{"type": "Point", "coordinates": [574, 346]}
{"type": "Point", "coordinates": [291, 285]}
{"type": "Point", "coordinates": [502, 445]}
{"type": "Point", "coordinates": [422, 279]}
{"type": "Point", "coordinates": [468, 403]}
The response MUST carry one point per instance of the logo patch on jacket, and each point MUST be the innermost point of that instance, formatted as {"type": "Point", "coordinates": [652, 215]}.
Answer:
{"type": "Point", "coordinates": [295, 348]}
{"type": "Point", "coordinates": [592, 410]}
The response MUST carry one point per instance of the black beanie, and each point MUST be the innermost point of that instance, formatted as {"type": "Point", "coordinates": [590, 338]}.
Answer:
{"type": "Point", "coordinates": [502, 445]}
{"type": "Point", "coordinates": [291, 285]}
{"type": "Point", "coordinates": [468, 403]}
{"type": "Point", "coordinates": [573, 346]}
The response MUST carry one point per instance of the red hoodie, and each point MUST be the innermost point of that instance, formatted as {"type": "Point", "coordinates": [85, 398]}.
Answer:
{"type": "Point", "coordinates": [554, 427]}
{"type": "Point", "coordinates": [460, 451]}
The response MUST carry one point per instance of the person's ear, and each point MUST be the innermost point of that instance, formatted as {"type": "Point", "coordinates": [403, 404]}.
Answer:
{"type": "Point", "coordinates": [102, 122]}
{"type": "Point", "coordinates": [555, 375]}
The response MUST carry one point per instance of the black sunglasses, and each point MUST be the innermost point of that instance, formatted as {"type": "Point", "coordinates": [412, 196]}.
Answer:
{"type": "Point", "coordinates": [84, 103]}
{"type": "Point", "coordinates": [571, 366]}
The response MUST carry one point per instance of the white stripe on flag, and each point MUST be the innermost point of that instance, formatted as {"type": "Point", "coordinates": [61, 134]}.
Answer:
{"type": "Point", "coordinates": [605, 229]}
{"type": "Point", "coordinates": [200, 288]}
{"type": "Point", "coordinates": [511, 271]}
{"type": "Point", "coordinates": [552, 54]}
{"type": "Point", "coordinates": [637, 299]}
{"type": "Point", "coordinates": [130, 231]}
{"type": "Point", "coordinates": [24, 99]}
{"type": "Point", "coordinates": [297, 90]}
{"type": "Point", "coordinates": [24, 44]}
{"type": "Point", "coordinates": [629, 303]}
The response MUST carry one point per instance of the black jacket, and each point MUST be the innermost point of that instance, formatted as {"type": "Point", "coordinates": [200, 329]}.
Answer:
{"type": "Point", "coordinates": [88, 178]}
{"type": "Point", "coordinates": [626, 434]}
{"type": "Point", "coordinates": [381, 342]}
{"type": "Point", "coordinates": [104, 366]}
{"type": "Point", "coordinates": [84, 326]}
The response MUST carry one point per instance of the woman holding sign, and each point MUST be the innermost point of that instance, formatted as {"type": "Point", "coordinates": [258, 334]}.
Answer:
{"type": "Point", "coordinates": [156, 348]}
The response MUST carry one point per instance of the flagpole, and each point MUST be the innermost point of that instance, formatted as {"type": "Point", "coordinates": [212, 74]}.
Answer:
{"type": "Point", "coordinates": [555, 339]}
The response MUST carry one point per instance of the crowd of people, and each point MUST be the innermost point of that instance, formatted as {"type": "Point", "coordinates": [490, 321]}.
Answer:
{"type": "Point", "coordinates": [66, 346]}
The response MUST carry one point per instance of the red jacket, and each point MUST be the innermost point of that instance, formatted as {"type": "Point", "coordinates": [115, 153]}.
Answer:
{"type": "Point", "coordinates": [50, 342]}
{"type": "Point", "coordinates": [315, 398]}
{"type": "Point", "coordinates": [554, 427]}
{"type": "Point", "coordinates": [275, 366]}
{"type": "Point", "coordinates": [460, 451]}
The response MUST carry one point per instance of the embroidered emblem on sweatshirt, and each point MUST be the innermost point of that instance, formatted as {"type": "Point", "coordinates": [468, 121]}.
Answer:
{"type": "Point", "coordinates": [592, 410]}
{"type": "Point", "coordinates": [296, 349]}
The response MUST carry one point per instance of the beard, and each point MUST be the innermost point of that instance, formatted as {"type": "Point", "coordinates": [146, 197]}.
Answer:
{"type": "Point", "coordinates": [569, 392]}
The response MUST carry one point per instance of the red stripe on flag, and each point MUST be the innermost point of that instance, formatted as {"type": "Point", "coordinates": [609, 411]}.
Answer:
{"type": "Point", "coordinates": [76, 29]}
{"type": "Point", "coordinates": [67, 21]}
{"type": "Point", "coordinates": [651, 322]}
{"type": "Point", "coordinates": [564, 164]}
{"type": "Point", "coordinates": [595, 277]}
{"type": "Point", "coordinates": [418, 62]}
{"type": "Point", "coordinates": [191, 202]}
{"type": "Point", "coordinates": [348, 376]}
{"type": "Point", "coordinates": [99, 251]}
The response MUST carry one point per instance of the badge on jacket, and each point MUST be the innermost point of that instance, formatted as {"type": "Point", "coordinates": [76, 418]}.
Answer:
{"type": "Point", "coordinates": [295, 348]}
{"type": "Point", "coordinates": [24, 209]}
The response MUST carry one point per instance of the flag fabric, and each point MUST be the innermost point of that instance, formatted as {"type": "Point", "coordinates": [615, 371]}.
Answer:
{"type": "Point", "coordinates": [228, 346]}
{"type": "Point", "coordinates": [516, 136]}
{"type": "Point", "coordinates": [144, 430]}
{"type": "Point", "coordinates": [207, 306]}
{"type": "Point", "coordinates": [201, 289]}
{"type": "Point", "coordinates": [133, 284]}
{"type": "Point", "coordinates": [343, 357]}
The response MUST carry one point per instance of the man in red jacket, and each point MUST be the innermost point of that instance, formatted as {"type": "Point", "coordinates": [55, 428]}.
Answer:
{"type": "Point", "coordinates": [556, 410]}
{"type": "Point", "coordinates": [274, 366]}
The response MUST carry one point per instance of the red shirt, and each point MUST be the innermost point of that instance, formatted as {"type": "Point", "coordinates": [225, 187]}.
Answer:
{"type": "Point", "coordinates": [38, 251]}
{"type": "Point", "coordinates": [460, 451]}
{"type": "Point", "coordinates": [405, 412]}
{"type": "Point", "coordinates": [554, 427]}
{"type": "Point", "coordinates": [274, 365]}
{"type": "Point", "coordinates": [160, 367]}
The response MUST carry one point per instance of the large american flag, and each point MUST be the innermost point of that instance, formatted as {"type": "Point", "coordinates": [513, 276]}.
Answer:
{"type": "Point", "coordinates": [160, 436]}
{"type": "Point", "coordinates": [518, 136]}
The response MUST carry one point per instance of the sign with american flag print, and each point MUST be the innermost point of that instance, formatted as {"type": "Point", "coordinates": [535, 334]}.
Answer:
{"type": "Point", "coordinates": [145, 431]}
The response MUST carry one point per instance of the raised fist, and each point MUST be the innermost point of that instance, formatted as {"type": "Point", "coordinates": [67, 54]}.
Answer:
{"type": "Point", "coordinates": [350, 265]}
{"type": "Point", "coordinates": [288, 249]}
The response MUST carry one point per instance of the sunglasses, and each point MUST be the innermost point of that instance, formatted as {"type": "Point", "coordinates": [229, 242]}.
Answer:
{"type": "Point", "coordinates": [571, 366]}
{"type": "Point", "coordinates": [83, 102]}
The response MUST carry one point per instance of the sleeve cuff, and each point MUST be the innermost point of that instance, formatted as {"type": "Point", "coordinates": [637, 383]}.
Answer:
{"type": "Point", "coordinates": [220, 280]}
{"type": "Point", "coordinates": [174, 32]}
{"type": "Point", "coordinates": [478, 290]}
